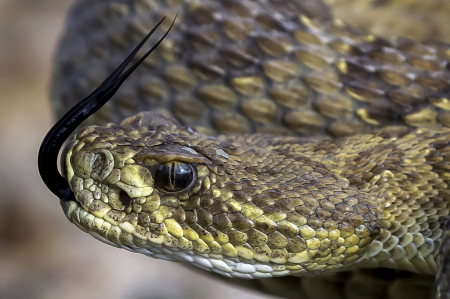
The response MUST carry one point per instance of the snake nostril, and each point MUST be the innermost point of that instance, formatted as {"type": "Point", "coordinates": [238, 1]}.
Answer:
{"type": "Point", "coordinates": [124, 198]}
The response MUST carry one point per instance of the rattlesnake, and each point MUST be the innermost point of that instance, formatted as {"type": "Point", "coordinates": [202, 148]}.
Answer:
{"type": "Point", "coordinates": [255, 206]}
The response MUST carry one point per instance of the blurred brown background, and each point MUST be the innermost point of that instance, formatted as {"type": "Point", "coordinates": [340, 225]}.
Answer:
{"type": "Point", "coordinates": [42, 255]}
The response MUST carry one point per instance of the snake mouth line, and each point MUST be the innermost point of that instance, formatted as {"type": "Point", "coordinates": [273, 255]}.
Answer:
{"type": "Point", "coordinates": [109, 232]}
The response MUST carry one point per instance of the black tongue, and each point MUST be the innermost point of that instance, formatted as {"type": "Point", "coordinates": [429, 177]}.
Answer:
{"type": "Point", "coordinates": [55, 138]}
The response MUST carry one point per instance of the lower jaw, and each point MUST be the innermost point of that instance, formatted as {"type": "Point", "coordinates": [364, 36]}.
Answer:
{"type": "Point", "coordinates": [113, 235]}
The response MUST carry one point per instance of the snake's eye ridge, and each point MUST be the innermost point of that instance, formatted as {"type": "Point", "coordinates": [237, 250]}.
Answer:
{"type": "Point", "coordinates": [174, 176]}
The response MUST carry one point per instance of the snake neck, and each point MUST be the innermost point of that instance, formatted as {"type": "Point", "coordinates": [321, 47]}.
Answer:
{"type": "Point", "coordinates": [405, 172]}
{"type": "Point", "coordinates": [399, 173]}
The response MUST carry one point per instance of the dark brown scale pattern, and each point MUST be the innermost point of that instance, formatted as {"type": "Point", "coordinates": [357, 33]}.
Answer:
{"type": "Point", "coordinates": [245, 70]}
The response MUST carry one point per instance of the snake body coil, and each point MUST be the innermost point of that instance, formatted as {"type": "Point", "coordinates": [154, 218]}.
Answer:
{"type": "Point", "coordinates": [250, 204]}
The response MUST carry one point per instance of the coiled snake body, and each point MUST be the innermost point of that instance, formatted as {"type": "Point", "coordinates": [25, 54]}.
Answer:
{"type": "Point", "coordinates": [335, 155]}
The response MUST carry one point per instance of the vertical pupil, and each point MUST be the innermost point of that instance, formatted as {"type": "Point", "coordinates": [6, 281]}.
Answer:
{"type": "Point", "coordinates": [172, 175]}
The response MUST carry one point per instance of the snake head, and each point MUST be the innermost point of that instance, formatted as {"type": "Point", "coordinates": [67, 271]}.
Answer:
{"type": "Point", "coordinates": [141, 186]}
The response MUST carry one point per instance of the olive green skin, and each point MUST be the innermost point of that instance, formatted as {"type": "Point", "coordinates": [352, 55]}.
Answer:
{"type": "Point", "coordinates": [234, 67]}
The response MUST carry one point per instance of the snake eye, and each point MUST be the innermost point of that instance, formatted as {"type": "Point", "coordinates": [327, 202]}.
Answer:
{"type": "Point", "coordinates": [174, 176]}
